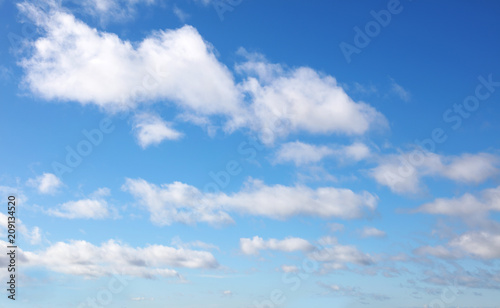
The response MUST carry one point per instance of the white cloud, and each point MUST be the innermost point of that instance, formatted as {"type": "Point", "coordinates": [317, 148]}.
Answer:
{"type": "Point", "coordinates": [372, 232]}
{"type": "Point", "coordinates": [301, 99]}
{"type": "Point", "coordinates": [73, 62]}
{"type": "Point", "coordinates": [179, 202]}
{"type": "Point", "coordinates": [478, 244]}
{"type": "Point", "coordinates": [337, 255]}
{"type": "Point", "coordinates": [111, 10]}
{"type": "Point", "coordinates": [402, 173]}
{"type": "Point", "coordinates": [302, 153]}
{"type": "Point", "coordinates": [483, 245]}
{"type": "Point", "coordinates": [356, 151]}
{"type": "Point", "coordinates": [289, 268]}
{"type": "Point", "coordinates": [254, 245]}
{"type": "Point", "coordinates": [85, 259]}
{"type": "Point", "coordinates": [46, 183]}
{"type": "Point", "coordinates": [466, 206]}
{"type": "Point", "coordinates": [94, 207]}
{"type": "Point", "coordinates": [150, 129]}
{"type": "Point", "coordinates": [400, 91]}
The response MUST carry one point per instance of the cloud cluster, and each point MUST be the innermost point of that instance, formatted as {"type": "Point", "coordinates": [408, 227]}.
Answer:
{"type": "Point", "coordinates": [179, 202]}
{"type": "Point", "coordinates": [74, 62]}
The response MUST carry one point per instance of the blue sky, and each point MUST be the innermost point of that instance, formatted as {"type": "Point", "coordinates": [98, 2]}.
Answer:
{"type": "Point", "coordinates": [246, 153]}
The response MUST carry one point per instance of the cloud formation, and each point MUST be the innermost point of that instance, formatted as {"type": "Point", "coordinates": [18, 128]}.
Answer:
{"type": "Point", "coordinates": [179, 202]}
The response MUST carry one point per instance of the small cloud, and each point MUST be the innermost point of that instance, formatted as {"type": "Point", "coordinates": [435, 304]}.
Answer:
{"type": "Point", "coordinates": [372, 232]}
{"type": "Point", "coordinates": [227, 293]}
{"type": "Point", "coordinates": [183, 16]}
{"type": "Point", "coordinates": [93, 207]}
{"type": "Point", "coordinates": [47, 183]}
{"type": "Point", "coordinates": [150, 129]}
{"type": "Point", "coordinates": [400, 91]}
{"type": "Point", "coordinates": [289, 268]}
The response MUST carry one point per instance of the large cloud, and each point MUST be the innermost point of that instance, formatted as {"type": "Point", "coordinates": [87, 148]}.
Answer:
{"type": "Point", "coordinates": [112, 257]}
{"type": "Point", "coordinates": [73, 62]}
{"type": "Point", "coordinates": [179, 202]}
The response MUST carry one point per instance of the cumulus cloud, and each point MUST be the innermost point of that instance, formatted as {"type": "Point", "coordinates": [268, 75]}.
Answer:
{"type": "Point", "coordinates": [150, 129]}
{"type": "Point", "coordinates": [179, 202]}
{"type": "Point", "coordinates": [94, 207]}
{"type": "Point", "coordinates": [402, 173]}
{"type": "Point", "coordinates": [73, 62]}
{"type": "Point", "coordinates": [254, 245]}
{"type": "Point", "coordinates": [112, 257]}
{"type": "Point", "coordinates": [46, 183]}
{"type": "Point", "coordinates": [291, 100]}
{"type": "Point", "coordinates": [477, 244]}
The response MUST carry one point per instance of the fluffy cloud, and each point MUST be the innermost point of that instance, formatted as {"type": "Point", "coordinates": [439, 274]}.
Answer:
{"type": "Point", "coordinates": [402, 173]}
{"type": "Point", "coordinates": [46, 183]}
{"type": "Point", "coordinates": [466, 206]}
{"type": "Point", "coordinates": [150, 129]}
{"type": "Point", "coordinates": [300, 99]}
{"type": "Point", "coordinates": [85, 259]}
{"type": "Point", "coordinates": [302, 153]}
{"type": "Point", "coordinates": [73, 62]}
{"type": "Point", "coordinates": [478, 244]}
{"type": "Point", "coordinates": [179, 202]}
{"type": "Point", "coordinates": [254, 245]}
{"type": "Point", "coordinates": [95, 207]}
